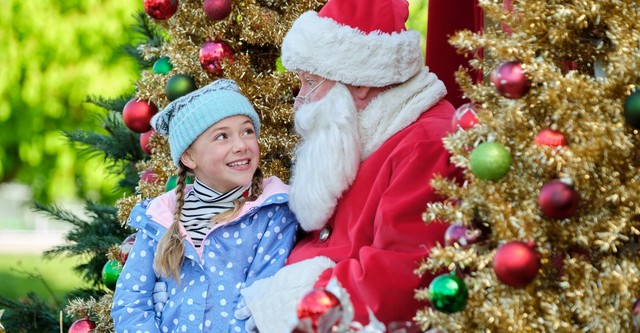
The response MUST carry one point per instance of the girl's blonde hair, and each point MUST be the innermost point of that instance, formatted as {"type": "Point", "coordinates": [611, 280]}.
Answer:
{"type": "Point", "coordinates": [170, 252]}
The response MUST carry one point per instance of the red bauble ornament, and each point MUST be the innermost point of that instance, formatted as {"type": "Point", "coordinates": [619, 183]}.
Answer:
{"type": "Point", "coordinates": [217, 9]}
{"type": "Point", "coordinates": [510, 80]}
{"type": "Point", "coordinates": [126, 246]}
{"type": "Point", "coordinates": [212, 54]}
{"type": "Point", "coordinates": [548, 137]}
{"type": "Point", "coordinates": [137, 115]}
{"type": "Point", "coordinates": [516, 264]}
{"type": "Point", "coordinates": [149, 176]}
{"type": "Point", "coordinates": [458, 233]}
{"type": "Point", "coordinates": [84, 325]}
{"type": "Point", "coordinates": [160, 9]}
{"type": "Point", "coordinates": [144, 141]}
{"type": "Point", "coordinates": [319, 309]}
{"type": "Point", "coordinates": [558, 200]}
{"type": "Point", "coordinates": [464, 118]}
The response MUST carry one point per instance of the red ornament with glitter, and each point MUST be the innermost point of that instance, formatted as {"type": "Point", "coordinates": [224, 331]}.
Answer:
{"type": "Point", "coordinates": [319, 310]}
{"type": "Point", "coordinates": [510, 80]}
{"type": "Point", "coordinates": [212, 54]}
{"type": "Point", "coordinates": [84, 325]}
{"type": "Point", "coordinates": [217, 9]}
{"type": "Point", "coordinates": [125, 247]}
{"type": "Point", "coordinates": [551, 138]}
{"type": "Point", "coordinates": [137, 114]}
{"type": "Point", "coordinates": [144, 141]}
{"type": "Point", "coordinates": [464, 118]}
{"type": "Point", "coordinates": [558, 200]}
{"type": "Point", "coordinates": [160, 9]}
{"type": "Point", "coordinates": [516, 263]}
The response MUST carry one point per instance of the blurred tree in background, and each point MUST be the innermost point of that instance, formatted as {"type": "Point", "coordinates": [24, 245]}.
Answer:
{"type": "Point", "coordinates": [55, 54]}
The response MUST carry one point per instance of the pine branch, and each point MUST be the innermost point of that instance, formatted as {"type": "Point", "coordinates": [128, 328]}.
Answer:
{"type": "Point", "coordinates": [90, 239]}
{"type": "Point", "coordinates": [151, 37]}
{"type": "Point", "coordinates": [30, 315]}
{"type": "Point", "coordinates": [120, 145]}
{"type": "Point", "coordinates": [111, 104]}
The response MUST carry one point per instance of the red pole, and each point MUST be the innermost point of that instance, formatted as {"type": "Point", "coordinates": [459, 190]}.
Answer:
{"type": "Point", "coordinates": [445, 18]}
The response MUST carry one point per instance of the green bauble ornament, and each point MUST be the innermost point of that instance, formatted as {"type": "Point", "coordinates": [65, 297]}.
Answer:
{"type": "Point", "coordinates": [279, 67]}
{"type": "Point", "coordinates": [173, 181]}
{"type": "Point", "coordinates": [179, 85]}
{"type": "Point", "coordinates": [632, 110]}
{"type": "Point", "coordinates": [162, 66]}
{"type": "Point", "coordinates": [448, 293]}
{"type": "Point", "coordinates": [110, 273]}
{"type": "Point", "coordinates": [490, 161]}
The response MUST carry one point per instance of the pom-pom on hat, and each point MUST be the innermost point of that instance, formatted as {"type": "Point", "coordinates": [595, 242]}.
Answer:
{"type": "Point", "coordinates": [357, 42]}
{"type": "Point", "coordinates": [184, 119]}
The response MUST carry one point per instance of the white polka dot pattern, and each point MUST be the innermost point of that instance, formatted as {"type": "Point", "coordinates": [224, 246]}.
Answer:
{"type": "Point", "coordinates": [233, 256]}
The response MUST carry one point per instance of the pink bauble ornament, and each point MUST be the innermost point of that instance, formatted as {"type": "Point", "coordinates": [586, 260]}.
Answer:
{"type": "Point", "coordinates": [464, 118]}
{"type": "Point", "coordinates": [144, 141]}
{"type": "Point", "coordinates": [462, 235]}
{"type": "Point", "coordinates": [551, 138]}
{"type": "Point", "coordinates": [558, 200]}
{"type": "Point", "coordinates": [510, 80]}
{"type": "Point", "coordinates": [160, 9]}
{"type": "Point", "coordinates": [126, 246]}
{"type": "Point", "coordinates": [636, 316]}
{"type": "Point", "coordinates": [212, 54]}
{"type": "Point", "coordinates": [84, 325]}
{"type": "Point", "coordinates": [516, 264]}
{"type": "Point", "coordinates": [320, 310]}
{"type": "Point", "coordinates": [217, 9]}
{"type": "Point", "coordinates": [137, 114]}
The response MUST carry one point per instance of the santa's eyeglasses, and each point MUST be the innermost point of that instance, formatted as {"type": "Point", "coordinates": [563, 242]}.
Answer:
{"type": "Point", "coordinates": [304, 99]}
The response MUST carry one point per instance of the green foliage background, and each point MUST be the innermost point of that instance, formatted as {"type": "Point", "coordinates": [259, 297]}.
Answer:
{"type": "Point", "coordinates": [55, 54]}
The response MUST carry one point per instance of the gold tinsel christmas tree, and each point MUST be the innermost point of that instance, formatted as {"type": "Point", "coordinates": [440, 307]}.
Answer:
{"type": "Point", "coordinates": [214, 39]}
{"type": "Point", "coordinates": [205, 41]}
{"type": "Point", "coordinates": [546, 225]}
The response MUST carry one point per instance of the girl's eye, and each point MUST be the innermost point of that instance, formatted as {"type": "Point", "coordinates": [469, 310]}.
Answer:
{"type": "Point", "coordinates": [220, 137]}
{"type": "Point", "coordinates": [249, 131]}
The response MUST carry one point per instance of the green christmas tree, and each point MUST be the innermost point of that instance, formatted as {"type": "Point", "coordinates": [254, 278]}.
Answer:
{"type": "Point", "coordinates": [188, 45]}
{"type": "Point", "coordinates": [546, 222]}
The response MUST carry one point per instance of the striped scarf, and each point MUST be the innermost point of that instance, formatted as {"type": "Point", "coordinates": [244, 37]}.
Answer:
{"type": "Point", "coordinates": [201, 204]}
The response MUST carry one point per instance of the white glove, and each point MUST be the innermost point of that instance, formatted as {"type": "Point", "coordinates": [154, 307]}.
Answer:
{"type": "Point", "coordinates": [243, 313]}
{"type": "Point", "coordinates": [160, 297]}
{"type": "Point", "coordinates": [272, 301]}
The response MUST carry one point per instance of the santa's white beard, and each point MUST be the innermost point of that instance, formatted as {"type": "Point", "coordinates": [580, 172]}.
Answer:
{"type": "Point", "coordinates": [327, 158]}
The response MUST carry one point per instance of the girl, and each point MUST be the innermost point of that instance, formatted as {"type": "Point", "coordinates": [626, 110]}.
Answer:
{"type": "Point", "coordinates": [208, 240]}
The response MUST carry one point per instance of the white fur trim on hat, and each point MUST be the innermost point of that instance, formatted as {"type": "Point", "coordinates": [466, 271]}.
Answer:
{"type": "Point", "coordinates": [321, 46]}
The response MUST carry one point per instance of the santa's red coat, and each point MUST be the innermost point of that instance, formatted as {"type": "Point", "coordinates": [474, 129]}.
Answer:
{"type": "Point", "coordinates": [378, 236]}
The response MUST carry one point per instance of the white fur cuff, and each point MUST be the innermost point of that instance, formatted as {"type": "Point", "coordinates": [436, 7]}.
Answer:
{"type": "Point", "coordinates": [273, 301]}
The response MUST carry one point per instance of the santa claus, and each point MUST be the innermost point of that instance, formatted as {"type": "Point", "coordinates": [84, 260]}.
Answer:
{"type": "Point", "coordinates": [371, 118]}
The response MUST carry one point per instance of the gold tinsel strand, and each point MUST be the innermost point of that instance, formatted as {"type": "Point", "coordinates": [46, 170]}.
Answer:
{"type": "Point", "coordinates": [98, 311]}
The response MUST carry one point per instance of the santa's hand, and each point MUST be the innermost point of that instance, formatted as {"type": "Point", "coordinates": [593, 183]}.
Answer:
{"type": "Point", "coordinates": [160, 297]}
{"type": "Point", "coordinates": [272, 301]}
{"type": "Point", "coordinates": [243, 313]}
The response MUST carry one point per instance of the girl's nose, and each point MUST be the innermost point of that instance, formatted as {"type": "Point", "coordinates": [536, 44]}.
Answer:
{"type": "Point", "coordinates": [239, 145]}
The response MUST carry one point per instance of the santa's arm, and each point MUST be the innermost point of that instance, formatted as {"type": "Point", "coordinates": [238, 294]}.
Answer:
{"type": "Point", "coordinates": [272, 301]}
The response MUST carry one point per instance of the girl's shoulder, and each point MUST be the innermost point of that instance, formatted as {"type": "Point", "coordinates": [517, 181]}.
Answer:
{"type": "Point", "coordinates": [274, 185]}
{"type": "Point", "coordinates": [274, 192]}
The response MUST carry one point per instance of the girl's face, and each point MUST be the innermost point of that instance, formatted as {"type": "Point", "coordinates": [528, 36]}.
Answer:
{"type": "Point", "coordinates": [225, 155]}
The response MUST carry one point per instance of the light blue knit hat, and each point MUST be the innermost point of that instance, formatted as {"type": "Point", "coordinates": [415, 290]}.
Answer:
{"type": "Point", "coordinates": [184, 119]}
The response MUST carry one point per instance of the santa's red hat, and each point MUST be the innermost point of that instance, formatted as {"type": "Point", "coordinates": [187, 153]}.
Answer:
{"type": "Point", "coordinates": [358, 42]}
